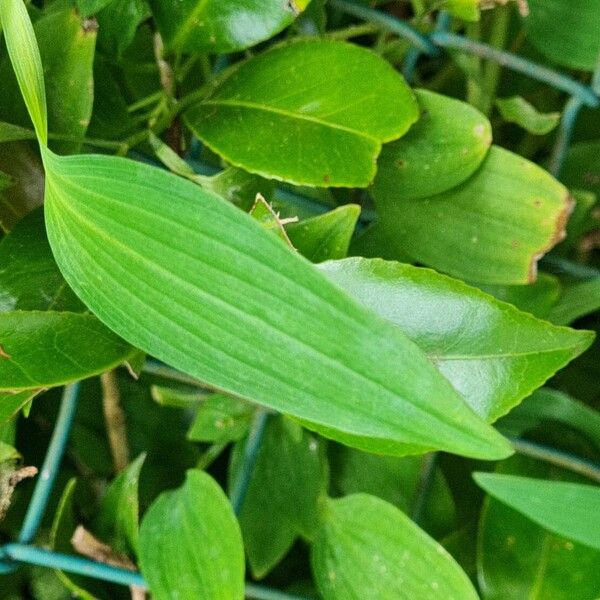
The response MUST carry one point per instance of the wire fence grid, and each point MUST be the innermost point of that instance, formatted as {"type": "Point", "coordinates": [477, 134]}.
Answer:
{"type": "Point", "coordinates": [24, 552]}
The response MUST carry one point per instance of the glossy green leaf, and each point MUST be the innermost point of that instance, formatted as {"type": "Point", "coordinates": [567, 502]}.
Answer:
{"type": "Point", "coordinates": [12, 402]}
{"type": "Point", "coordinates": [221, 419]}
{"type": "Point", "coordinates": [239, 186]}
{"type": "Point", "coordinates": [544, 502]}
{"type": "Point", "coordinates": [492, 354]}
{"type": "Point", "coordinates": [326, 236]}
{"type": "Point", "coordinates": [14, 133]}
{"type": "Point", "coordinates": [118, 22]}
{"type": "Point", "coordinates": [222, 25]}
{"type": "Point", "coordinates": [517, 110]}
{"type": "Point", "coordinates": [577, 300]}
{"type": "Point", "coordinates": [399, 481]}
{"type": "Point", "coordinates": [551, 405]}
{"type": "Point", "coordinates": [565, 32]}
{"type": "Point", "coordinates": [191, 545]}
{"type": "Point", "coordinates": [21, 42]}
{"type": "Point", "coordinates": [443, 149]}
{"type": "Point", "coordinates": [282, 499]}
{"type": "Point", "coordinates": [369, 550]}
{"type": "Point", "coordinates": [518, 559]}
{"type": "Point", "coordinates": [201, 286]}
{"type": "Point", "coordinates": [491, 229]}
{"type": "Point", "coordinates": [118, 516]}
{"type": "Point", "coordinates": [29, 277]}
{"type": "Point", "coordinates": [46, 349]}
{"type": "Point", "coordinates": [67, 45]}
{"type": "Point", "coordinates": [537, 298]}
{"type": "Point", "coordinates": [310, 135]}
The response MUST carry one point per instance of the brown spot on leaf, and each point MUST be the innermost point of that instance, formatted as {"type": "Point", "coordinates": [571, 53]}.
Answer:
{"type": "Point", "coordinates": [558, 235]}
{"type": "Point", "coordinates": [326, 178]}
{"type": "Point", "coordinates": [4, 354]}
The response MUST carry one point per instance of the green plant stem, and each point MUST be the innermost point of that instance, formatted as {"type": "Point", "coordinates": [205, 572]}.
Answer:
{"type": "Point", "coordinates": [492, 69]}
{"type": "Point", "coordinates": [210, 455]}
{"type": "Point", "coordinates": [557, 458]}
{"type": "Point", "coordinates": [353, 31]}
{"type": "Point", "coordinates": [146, 101]}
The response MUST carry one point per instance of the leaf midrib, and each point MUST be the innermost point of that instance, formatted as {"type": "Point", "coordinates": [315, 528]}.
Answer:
{"type": "Point", "coordinates": [290, 115]}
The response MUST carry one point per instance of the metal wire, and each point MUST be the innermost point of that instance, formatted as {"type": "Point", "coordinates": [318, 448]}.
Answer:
{"type": "Point", "coordinates": [23, 552]}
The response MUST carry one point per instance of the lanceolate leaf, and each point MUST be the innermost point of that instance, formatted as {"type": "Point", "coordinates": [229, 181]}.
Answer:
{"type": "Point", "coordinates": [445, 147]}
{"type": "Point", "coordinates": [67, 44]}
{"type": "Point", "coordinates": [369, 550]}
{"type": "Point", "coordinates": [46, 349]}
{"type": "Point", "coordinates": [493, 354]}
{"type": "Point", "coordinates": [191, 545]}
{"type": "Point", "coordinates": [118, 516]}
{"type": "Point", "coordinates": [517, 559]}
{"type": "Point", "coordinates": [222, 25]}
{"type": "Point", "coordinates": [201, 286]}
{"type": "Point", "coordinates": [21, 43]}
{"type": "Point", "coordinates": [546, 502]}
{"type": "Point", "coordinates": [284, 116]}
{"type": "Point", "coordinates": [491, 229]}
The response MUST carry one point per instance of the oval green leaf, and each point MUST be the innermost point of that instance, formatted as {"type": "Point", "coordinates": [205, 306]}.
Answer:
{"type": "Point", "coordinates": [445, 147]}
{"type": "Point", "coordinates": [203, 287]}
{"type": "Point", "coordinates": [369, 550]}
{"type": "Point", "coordinates": [222, 25]}
{"type": "Point", "coordinates": [491, 229]}
{"type": "Point", "coordinates": [47, 349]}
{"type": "Point", "coordinates": [191, 545]}
{"type": "Point", "coordinates": [493, 354]}
{"type": "Point", "coordinates": [565, 31]}
{"type": "Point", "coordinates": [284, 116]}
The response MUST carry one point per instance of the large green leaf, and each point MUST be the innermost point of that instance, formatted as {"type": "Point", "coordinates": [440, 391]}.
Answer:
{"type": "Point", "coordinates": [118, 22]}
{"type": "Point", "coordinates": [493, 354]}
{"type": "Point", "coordinates": [283, 115]}
{"type": "Point", "coordinates": [191, 545]}
{"type": "Point", "coordinates": [544, 502]}
{"type": "Point", "coordinates": [29, 277]}
{"type": "Point", "coordinates": [282, 499]}
{"type": "Point", "coordinates": [565, 31]}
{"type": "Point", "coordinates": [222, 25]}
{"type": "Point", "coordinates": [492, 229]}
{"type": "Point", "coordinates": [369, 550]}
{"type": "Point", "coordinates": [201, 286]}
{"type": "Point", "coordinates": [67, 44]}
{"type": "Point", "coordinates": [445, 147]}
{"type": "Point", "coordinates": [517, 559]}
{"type": "Point", "coordinates": [46, 349]}
{"type": "Point", "coordinates": [118, 515]}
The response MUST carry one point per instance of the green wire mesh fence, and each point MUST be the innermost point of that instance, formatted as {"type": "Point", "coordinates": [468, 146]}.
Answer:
{"type": "Point", "coordinates": [23, 551]}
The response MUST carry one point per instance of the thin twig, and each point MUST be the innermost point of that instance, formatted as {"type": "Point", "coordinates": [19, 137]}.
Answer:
{"type": "Point", "coordinates": [115, 420]}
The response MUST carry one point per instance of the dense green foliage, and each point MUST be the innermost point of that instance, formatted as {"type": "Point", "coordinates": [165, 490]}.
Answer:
{"type": "Point", "coordinates": [335, 333]}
